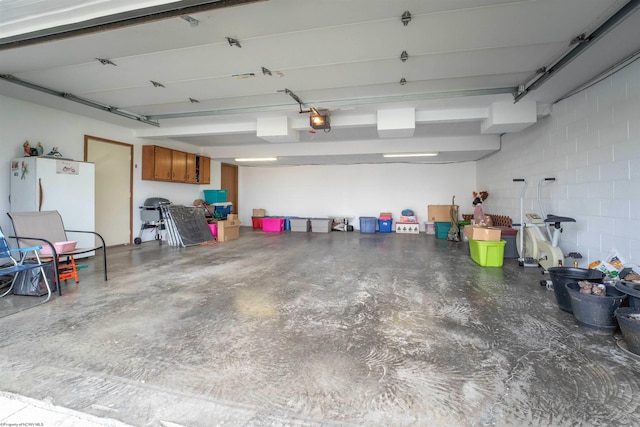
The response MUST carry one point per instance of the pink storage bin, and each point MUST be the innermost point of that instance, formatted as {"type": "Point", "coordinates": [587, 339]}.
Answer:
{"type": "Point", "coordinates": [273, 225]}
{"type": "Point", "coordinates": [214, 230]}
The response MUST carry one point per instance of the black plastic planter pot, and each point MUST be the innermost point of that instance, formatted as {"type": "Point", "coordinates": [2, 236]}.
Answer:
{"type": "Point", "coordinates": [593, 311]}
{"type": "Point", "coordinates": [560, 276]}
{"type": "Point", "coordinates": [629, 321]}
{"type": "Point", "coordinates": [633, 292]}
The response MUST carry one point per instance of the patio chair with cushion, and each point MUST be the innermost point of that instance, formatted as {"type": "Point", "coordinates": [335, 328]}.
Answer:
{"type": "Point", "coordinates": [47, 228]}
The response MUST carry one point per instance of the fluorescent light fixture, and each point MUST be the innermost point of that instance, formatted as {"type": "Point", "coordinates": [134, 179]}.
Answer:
{"type": "Point", "coordinates": [257, 159]}
{"type": "Point", "coordinates": [411, 155]}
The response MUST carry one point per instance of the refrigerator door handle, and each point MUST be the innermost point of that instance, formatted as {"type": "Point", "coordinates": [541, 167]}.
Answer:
{"type": "Point", "coordinates": [41, 194]}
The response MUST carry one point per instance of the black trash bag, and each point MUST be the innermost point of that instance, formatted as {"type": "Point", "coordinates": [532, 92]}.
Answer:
{"type": "Point", "coordinates": [31, 282]}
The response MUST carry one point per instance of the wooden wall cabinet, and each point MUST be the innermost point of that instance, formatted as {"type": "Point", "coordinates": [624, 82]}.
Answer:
{"type": "Point", "coordinates": [178, 166]}
{"type": "Point", "coordinates": [156, 163]}
{"type": "Point", "coordinates": [204, 170]}
{"type": "Point", "coordinates": [192, 168]}
{"type": "Point", "coordinates": [165, 164]}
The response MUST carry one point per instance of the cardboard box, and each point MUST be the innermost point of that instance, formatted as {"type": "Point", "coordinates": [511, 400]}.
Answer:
{"type": "Point", "coordinates": [385, 215]}
{"type": "Point", "coordinates": [407, 228]}
{"type": "Point", "coordinates": [229, 223]}
{"type": "Point", "coordinates": [440, 213]}
{"type": "Point", "coordinates": [259, 212]}
{"type": "Point", "coordinates": [228, 230]}
{"type": "Point", "coordinates": [487, 234]}
{"type": "Point", "coordinates": [231, 217]}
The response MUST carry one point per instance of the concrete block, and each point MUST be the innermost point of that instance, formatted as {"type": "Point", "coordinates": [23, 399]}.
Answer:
{"type": "Point", "coordinates": [614, 133]}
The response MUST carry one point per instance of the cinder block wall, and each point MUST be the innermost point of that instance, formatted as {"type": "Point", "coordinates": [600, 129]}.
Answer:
{"type": "Point", "coordinates": [591, 144]}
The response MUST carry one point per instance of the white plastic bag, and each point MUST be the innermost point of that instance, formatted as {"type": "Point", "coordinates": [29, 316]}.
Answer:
{"type": "Point", "coordinates": [605, 267]}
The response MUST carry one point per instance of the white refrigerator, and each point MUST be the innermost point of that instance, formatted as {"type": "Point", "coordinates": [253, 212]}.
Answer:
{"type": "Point", "coordinates": [68, 186]}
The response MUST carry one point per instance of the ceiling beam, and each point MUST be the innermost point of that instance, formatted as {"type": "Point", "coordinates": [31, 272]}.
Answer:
{"type": "Point", "coordinates": [340, 102]}
{"type": "Point", "coordinates": [84, 101]}
{"type": "Point", "coordinates": [582, 44]}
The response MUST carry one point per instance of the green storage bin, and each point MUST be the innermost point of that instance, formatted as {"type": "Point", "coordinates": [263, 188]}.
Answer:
{"type": "Point", "coordinates": [487, 254]}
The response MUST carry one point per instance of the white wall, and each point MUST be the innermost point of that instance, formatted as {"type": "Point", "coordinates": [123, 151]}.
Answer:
{"type": "Point", "coordinates": [354, 190]}
{"type": "Point", "coordinates": [21, 121]}
{"type": "Point", "coordinates": [591, 145]}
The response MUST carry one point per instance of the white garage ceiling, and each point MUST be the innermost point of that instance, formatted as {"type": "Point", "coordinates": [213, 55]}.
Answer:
{"type": "Point", "coordinates": [466, 61]}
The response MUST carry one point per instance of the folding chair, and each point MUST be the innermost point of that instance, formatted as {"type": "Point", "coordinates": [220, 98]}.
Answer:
{"type": "Point", "coordinates": [46, 227]}
{"type": "Point", "coordinates": [14, 263]}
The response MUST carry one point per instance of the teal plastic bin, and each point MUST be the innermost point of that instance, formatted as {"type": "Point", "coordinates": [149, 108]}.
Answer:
{"type": "Point", "coordinates": [442, 230]}
{"type": "Point", "coordinates": [215, 196]}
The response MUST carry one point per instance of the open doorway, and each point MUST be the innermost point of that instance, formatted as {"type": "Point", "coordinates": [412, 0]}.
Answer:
{"type": "Point", "coordinates": [114, 188]}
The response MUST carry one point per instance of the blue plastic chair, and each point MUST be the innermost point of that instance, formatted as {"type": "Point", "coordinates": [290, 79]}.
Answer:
{"type": "Point", "coordinates": [13, 260]}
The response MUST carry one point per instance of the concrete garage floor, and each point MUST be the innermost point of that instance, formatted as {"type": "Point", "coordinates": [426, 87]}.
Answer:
{"type": "Point", "coordinates": [312, 329]}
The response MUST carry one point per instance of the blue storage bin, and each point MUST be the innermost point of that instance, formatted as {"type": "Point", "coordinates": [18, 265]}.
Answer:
{"type": "Point", "coordinates": [385, 225]}
{"type": "Point", "coordinates": [287, 222]}
{"type": "Point", "coordinates": [222, 209]}
{"type": "Point", "coordinates": [367, 224]}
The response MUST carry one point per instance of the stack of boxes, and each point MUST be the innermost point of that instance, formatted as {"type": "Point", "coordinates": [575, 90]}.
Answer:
{"type": "Point", "coordinates": [408, 224]}
{"type": "Point", "coordinates": [223, 224]}
{"type": "Point", "coordinates": [485, 247]}
{"type": "Point", "coordinates": [256, 218]}
{"type": "Point", "coordinates": [217, 204]}
{"type": "Point", "coordinates": [385, 222]}
{"type": "Point", "coordinates": [440, 216]}
{"type": "Point", "coordinates": [228, 229]}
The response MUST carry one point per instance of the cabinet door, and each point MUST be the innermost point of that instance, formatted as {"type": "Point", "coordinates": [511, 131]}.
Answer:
{"type": "Point", "coordinates": [205, 170]}
{"type": "Point", "coordinates": [148, 162]}
{"type": "Point", "coordinates": [178, 166]}
{"type": "Point", "coordinates": [162, 164]}
{"type": "Point", "coordinates": [191, 167]}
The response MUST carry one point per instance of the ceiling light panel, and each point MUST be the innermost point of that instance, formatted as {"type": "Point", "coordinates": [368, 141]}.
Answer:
{"type": "Point", "coordinates": [410, 155]}
{"type": "Point", "coordinates": [256, 159]}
